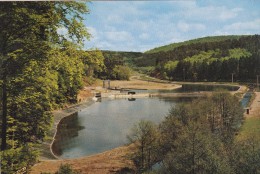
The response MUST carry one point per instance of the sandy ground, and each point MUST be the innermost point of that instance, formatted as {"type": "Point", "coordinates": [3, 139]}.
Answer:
{"type": "Point", "coordinates": [139, 84]}
{"type": "Point", "coordinates": [106, 162]}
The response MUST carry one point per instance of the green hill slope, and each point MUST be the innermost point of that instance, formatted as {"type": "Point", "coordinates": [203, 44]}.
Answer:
{"type": "Point", "coordinates": [205, 59]}
{"type": "Point", "coordinates": [194, 41]}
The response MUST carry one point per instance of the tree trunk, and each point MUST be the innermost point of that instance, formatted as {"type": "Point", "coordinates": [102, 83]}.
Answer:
{"type": "Point", "coordinates": [4, 114]}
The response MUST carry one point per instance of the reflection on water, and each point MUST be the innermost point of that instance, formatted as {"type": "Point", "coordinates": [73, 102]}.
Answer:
{"type": "Point", "coordinates": [68, 129]}
{"type": "Point", "coordinates": [205, 87]}
{"type": "Point", "coordinates": [246, 99]}
{"type": "Point", "coordinates": [104, 125]}
{"type": "Point", "coordinates": [131, 99]}
{"type": "Point", "coordinates": [191, 88]}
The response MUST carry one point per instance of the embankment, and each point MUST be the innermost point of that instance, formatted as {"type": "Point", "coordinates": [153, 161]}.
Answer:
{"type": "Point", "coordinates": [58, 115]}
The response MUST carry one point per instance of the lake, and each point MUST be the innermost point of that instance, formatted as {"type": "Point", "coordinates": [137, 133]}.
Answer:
{"type": "Point", "coordinates": [104, 125]}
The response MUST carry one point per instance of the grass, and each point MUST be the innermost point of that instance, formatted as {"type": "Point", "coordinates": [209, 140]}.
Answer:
{"type": "Point", "coordinates": [251, 127]}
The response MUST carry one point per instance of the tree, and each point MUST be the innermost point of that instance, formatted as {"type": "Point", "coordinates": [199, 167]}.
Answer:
{"type": "Point", "coordinates": [245, 155]}
{"type": "Point", "coordinates": [31, 74]}
{"type": "Point", "coordinates": [121, 72]}
{"type": "Point", "coordinates": [94, 62]}
{"type": "Point", "coordinates": [196, 151]}
{"type": "Point", "coordinates": [144, 136]}
{"type": "Point", "coordinates": [228, 116]}
{"type": "Point", "coordinates": [196, 137]}
{"type": "Point", "coordinates": [18, 30]}
{"type": "Point", "coordinates": [29, 30]}
{"type": "Point", "coordinates": [22, 158]}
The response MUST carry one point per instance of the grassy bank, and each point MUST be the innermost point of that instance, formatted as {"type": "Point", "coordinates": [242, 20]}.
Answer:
{"type": "Point", "coordinates": [251, 127]}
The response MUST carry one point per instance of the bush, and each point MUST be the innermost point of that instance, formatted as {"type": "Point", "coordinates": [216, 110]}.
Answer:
{"type": "Point", "coordinates": [66, 169]}
{"type": "Point", "coordinates": [121, 72]}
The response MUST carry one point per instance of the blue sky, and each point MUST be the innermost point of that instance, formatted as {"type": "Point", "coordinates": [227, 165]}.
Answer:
{"type": "Point", "coordinates": [143, 25]}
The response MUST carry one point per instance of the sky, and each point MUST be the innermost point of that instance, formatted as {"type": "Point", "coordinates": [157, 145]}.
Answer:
{"type": "Point", "coordinates": [143, 25]}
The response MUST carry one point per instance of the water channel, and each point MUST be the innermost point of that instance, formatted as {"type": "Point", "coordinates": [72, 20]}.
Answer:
{"type": "Point", "coordinates": [105, 125]}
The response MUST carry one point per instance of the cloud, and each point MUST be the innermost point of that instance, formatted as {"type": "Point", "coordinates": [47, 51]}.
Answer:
{"type": "Point", "coordinates": [119, 36]}
{"type": "Point", "coordinates": [93, 32]}
{"type": "Point", "coordinates": [219, 13]}
{"type": "Point", "coordinates": [183, 26]}
{"type": "Point", "coordinates": [138, 25]}
{"type": "Point", "coordinates": [244, 26]}
{"type": "Point", "coordinates": [226, 14]}
{"type": "Point", "coordinates": [144, 36]}
{"type": "Point", "coordinates": [114, 18]}
{"type": "Point", "coordinates": [221, 33]}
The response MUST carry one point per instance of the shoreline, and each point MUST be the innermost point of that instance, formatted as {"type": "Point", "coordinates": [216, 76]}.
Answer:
{"type": "Point", "coordinates": [58, 115]}
{"type": "Point", "coordinates": [101, 159]}
{"type": "Point", "coordinates": [48, 153]}
{"type": "Point", "coordinates": [46, 148]}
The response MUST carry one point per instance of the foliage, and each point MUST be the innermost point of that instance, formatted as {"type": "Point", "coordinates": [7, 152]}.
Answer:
{"type": "Point", "coordinates": [206, 59]}
{"type": "Point", "coordinates": [66, 169]}
{"type": "Point", "coordinates": [115, 62]}
{"type": "Point", "coordinates": [144, 70]}
{"type": "Point", "coordinates": [196, 137]}
{"type": "Point", "coordinates": [68, 70]}
{"type": "Point", "coordinates": [194, 41]}
{"type": "Point", "coordinates": [41, 69]}
{"type": "Point", "coordinates": [14, 160]}
{"type": "Point", "coordinates": [169, 67]}
{"type": "Point", "coordinates": [121, 72]}
{"type": "Point", "coordinates": [93, 62]}
{"type": "Point", "coordinates": [144, 136]}
{"type": "Point", "coordinates": [245, 155]}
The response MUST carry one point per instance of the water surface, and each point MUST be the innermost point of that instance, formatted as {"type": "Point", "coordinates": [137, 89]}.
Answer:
{"type": "Point", "coordinates": [105, 125]}
{"type": "Point", "coordinates": [191, 88]}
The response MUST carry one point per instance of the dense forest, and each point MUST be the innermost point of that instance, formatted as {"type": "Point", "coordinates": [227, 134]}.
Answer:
{"type": "Point", "coordinates": [41, 69]}
{"type": "Point", "coordinates": [196, 137]}
{"type": "Point", "coordinates": [205, 59]}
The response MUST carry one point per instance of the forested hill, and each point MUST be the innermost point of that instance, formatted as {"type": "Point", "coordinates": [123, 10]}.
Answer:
{"type": "Point", "coordinates": [194, 41]}
{"type": "Point", "coordinates": [205, 59]}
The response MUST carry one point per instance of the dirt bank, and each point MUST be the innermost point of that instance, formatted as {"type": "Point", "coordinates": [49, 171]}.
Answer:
{"type": "Point", "coordinates": [104, 163]}
{"type": "Point", "coordinates": [140, 84]}
{"type": "Point", "coordinates": [58, 115]}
